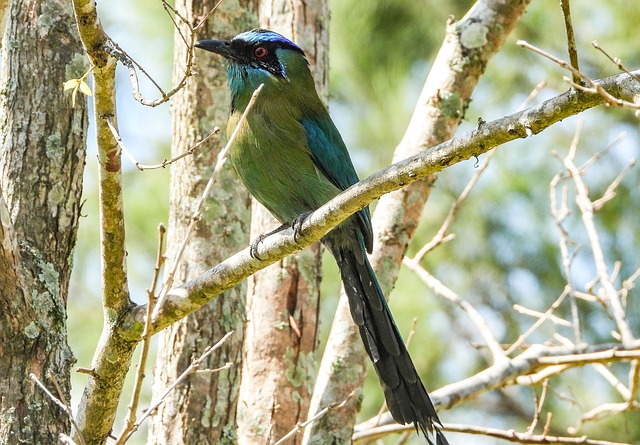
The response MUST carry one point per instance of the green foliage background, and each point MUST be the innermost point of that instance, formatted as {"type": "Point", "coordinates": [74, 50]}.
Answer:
{"type": "Point", "coordinates": [505, 250]}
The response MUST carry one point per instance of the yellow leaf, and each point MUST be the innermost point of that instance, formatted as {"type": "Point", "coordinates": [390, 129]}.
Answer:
{"type": "Point", "coordinates": [85, 88]}
{"type": "Point", "coordinates": [72, 83]}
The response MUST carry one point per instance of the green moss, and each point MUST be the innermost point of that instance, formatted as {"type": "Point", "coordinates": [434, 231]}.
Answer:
{"type": "Point", "coordinates": [451, 105]}
{"type": "Point", "coordinates": [49, 277]}
{"type": "Point", "coordinates": [228, 436]}
{"type": "Point", "coordinates": [31, 331]}
{"type": "Point", "coordinates": [76, 67]}
{"type": "Point", "coordinates": [53, 149]}
{"type": "Point", "coordinates": [474, 35]}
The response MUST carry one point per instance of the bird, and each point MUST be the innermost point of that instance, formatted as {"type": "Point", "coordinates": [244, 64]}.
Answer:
{"type": "Point", "coordinates": [292, 159]}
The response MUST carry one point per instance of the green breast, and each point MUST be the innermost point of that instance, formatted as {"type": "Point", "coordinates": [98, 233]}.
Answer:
{"type": "Point", "coordinates": [271, 156]}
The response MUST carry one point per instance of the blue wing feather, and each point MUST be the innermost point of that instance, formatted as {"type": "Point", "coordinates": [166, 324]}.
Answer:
{"type": "Point", "coordinates": [331, 157]}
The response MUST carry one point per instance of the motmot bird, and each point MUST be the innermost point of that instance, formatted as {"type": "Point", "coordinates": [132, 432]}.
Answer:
{"type": "Point", "coordinates": [291, 157]}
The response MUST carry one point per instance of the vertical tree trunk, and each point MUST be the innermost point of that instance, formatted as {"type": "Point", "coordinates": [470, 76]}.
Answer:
{"type": "Point", "coordinates": [43, 152]}
{"type": "Point", "coordinates": [282, 300]}
{"type": "Point", "coordinates": [202, 410]}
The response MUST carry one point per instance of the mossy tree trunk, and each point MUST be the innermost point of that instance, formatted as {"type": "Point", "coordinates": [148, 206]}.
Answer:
{"type": "Point", "coordinates": [42, 158]}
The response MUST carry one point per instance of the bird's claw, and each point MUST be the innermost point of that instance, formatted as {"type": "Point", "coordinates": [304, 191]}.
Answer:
{"type": "Point", "coordinates": [253, 248]}
{"type": "Point", "coordinates": [296, 225]}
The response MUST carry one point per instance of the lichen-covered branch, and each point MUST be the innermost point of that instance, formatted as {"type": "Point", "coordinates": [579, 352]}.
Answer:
{"type": "Point", "coordinates": [113, 355]}
{"type": "Point", "coordinates": [193, 294]}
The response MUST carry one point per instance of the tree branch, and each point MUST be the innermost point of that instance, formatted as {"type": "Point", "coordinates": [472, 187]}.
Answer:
{"type": "Point", "coordinates": [193, 294]}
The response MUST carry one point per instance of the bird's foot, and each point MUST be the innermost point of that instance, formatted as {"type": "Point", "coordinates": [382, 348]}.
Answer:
{"type": "Point", "coordinates": [253, 248]}
{"type": "Point", "coordinates": [296, 225]}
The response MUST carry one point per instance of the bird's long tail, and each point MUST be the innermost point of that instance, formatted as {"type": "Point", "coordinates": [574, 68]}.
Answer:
{"type": "Point", "coordinates": [406, 397]}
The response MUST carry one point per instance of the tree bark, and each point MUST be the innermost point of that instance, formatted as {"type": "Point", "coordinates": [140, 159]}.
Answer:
{"type": "Point", "coordinates": [43, 143]}
{"type": "Point", "coordinates": [283, 299]}
{"type": "Point", "coordinates": [203, 409]}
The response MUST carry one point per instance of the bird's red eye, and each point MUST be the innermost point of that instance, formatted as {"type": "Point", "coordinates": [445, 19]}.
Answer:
{"type": "Point", "coordinates": [260, 52]}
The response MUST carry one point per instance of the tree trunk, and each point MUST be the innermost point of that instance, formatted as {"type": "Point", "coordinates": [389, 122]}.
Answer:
{"type": "Point", "coordinates": [42, 159]}
{"type": "Point", "coordinates": [283, 299]}
{"type": "Point", "coordinates": [202, 410]}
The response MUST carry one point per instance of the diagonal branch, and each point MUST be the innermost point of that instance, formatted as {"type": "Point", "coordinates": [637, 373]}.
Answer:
{"type": "Point", "coordinates": [195, 293]}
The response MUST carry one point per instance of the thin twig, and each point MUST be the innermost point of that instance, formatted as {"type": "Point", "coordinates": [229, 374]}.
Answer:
{"type": "Point", "coordinates": [439, 288]}
{"type": "Point", "coordinates": [559, 214]}
{"type": "Point", "coordinates": [165, 162]}
{"type": "Point", "coordinates": [606, 409]}
{"type": "Point", "coordinates": [131, 64]}
{"type": "Point", "coordinates": [509, 435]}
{"type": "Point", "coordinates": [552, 318]}
{"type": "Point", "coordinates": [615, 60]}
{"type": "Point", "coordinates": [604, 371]}
{"type": "Point", "coordinates": [221, 159]}
{"type": "Point", "coordinates": [537, 323]}
{"type": "Point", "coordinates": [594, 88]}
{"type": "Point", "coordinates": [587, 211]}
{"type": "Point", "coordinates": [610, 192]}
{"type": "Point", "coordinates": [207, 15]}
{"type": "Point", "coordinates": [634, 377]}
{"type": "Point", "coordinates": [62, 403]}
{"type": "Point", "coordinates": [599, 154]}
{"type": "Point", "coordinates": [441, 236]}
{"type": "Point", "coordinates": [571, 39]}
{"type": "Point", "coordinates": [539, 403]}
{"type": "Point", "coordinates": [301, 426]}
{"type": "Point", "coordinates": [192, 368]}
{"type": "Point", "coordinates": [146, 341]}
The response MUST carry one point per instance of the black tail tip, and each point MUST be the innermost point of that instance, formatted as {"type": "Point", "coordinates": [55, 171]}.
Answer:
{"type": "Point", "coordinates": [432, 433]}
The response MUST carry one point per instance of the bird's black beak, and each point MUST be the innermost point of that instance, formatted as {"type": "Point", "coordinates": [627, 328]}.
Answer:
{"type": "Point", "coordinates": [222, 47]}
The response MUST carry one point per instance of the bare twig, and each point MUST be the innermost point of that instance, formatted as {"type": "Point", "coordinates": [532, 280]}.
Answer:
{"type": "Point", "coordinates": [207, 15]}
{"type": "Point", "coordinates": [559, 213]}
{"type": "Point", "coordinates": [612, 380]}
{"type": "Point", "coordinates": [131, 64]}
{"type": "Point", "coordinates": [552, 318]}
{"type": "Point", "coordinates": [587, 210]}
{"type": "Point", "coordinates": [606, 409]}
{"type": "Point", "coordinates": [439, 288]}
{"type": "Point", "coordinates": [62, 403]}
{"type": "Point", "coordinates": [538, 322]}
{"type": "Point", "coordinates": [441, 236]}
{"type": "Point", "coordinates": [610, 192]}
{"type": "Point", "coordinates": [165, 162]}
{"type": "Point", "coordinates": [509, 435]}
{"type": "Point", "coordinates": [634, 376]}
{"type": "Point", "coordinates": [615, 60]}
{"type": "Point", "coordinates": [300, 426]}
{"type": "Point", "coordinates": [594, 87]}
{"type": "Point", "coordinates": [121, 55]}
{"type": "Point", "coordinates": [221, 159]}
{"type": "Point", "coordinates": [146, 341]}
{"type": "Point", "coordinates": [539, 403]}
{"type": "Point", "coordinates": [190, 370]}
{"type": "Point", "coordinates": [571, 39]}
